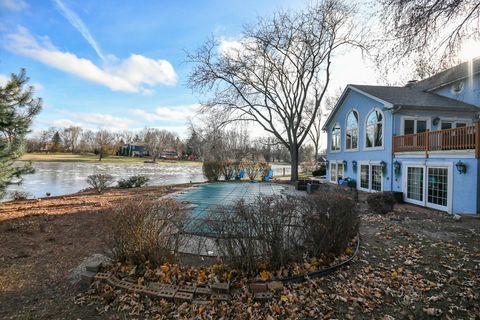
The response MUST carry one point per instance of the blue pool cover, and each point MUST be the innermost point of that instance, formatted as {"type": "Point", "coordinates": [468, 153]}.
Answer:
{"type": "Point", "coordinates": [207, 196]}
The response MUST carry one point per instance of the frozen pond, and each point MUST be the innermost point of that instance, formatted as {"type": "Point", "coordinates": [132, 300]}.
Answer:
{"type": "Point", "coordinates": [58, 178]}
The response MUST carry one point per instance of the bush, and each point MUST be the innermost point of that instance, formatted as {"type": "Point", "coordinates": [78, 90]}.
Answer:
{"type": "Point", "coordinates": [321, 171]}
{"type": "Point", "coordinates": [252, 169]}
{"type": "Point", "coordinates": [148, 231]}
{"type": "Point", "coordinates": [228, 169]}
{"type": "Point", "coordinates": [20, 195]}
{"type": "Point", "coordinates": [308, 166]}
{"type": "Point", "coordinates": [133, 182]}
{"type": "Point", "coordinates": [381, 202]}
{"type": "Point", "coordinates": [212, 170]}
{"type": "Point", "coordinates": [276, 230]}
{"type": "Point", "coordinates": [264, 167]}
{"type": "Point", "coordinates": [100, 181]}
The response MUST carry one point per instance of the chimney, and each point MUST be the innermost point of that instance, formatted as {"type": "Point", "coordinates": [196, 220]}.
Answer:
{"type": "Point", "coordinates": [410, 83]}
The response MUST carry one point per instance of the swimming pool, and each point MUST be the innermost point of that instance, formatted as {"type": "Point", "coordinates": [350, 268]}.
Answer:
{"type": "Point", "coordinates": [205, 197]}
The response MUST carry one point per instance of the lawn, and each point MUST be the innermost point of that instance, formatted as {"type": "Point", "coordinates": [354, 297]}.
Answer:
{"type": "Point", "coordinates": [68, 157]}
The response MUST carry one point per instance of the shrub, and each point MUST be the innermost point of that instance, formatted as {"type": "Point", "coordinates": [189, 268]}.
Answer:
{"type": "Point", "coordinates": [20, 195]}
{"type": "Point", "coordinates": [264, 167]}
{"type": "Point", "coordinates": [99, 182]}
{"type": "Point", "coordinates": [308, 166]}
{"type": "Point", "coordinates": [133, 182]}
{"type": "Point", "coordinates": [228, 169]}
{"type": "Point", "coordinates": [381, 202]}
{"type": "Point", "coordinates": [212, 170]}
{"type": "Point", "coordinates": [276, 230]}
{"type": "Point", "coordinates": [321, 171]}
{"type": "Point", "coordinates": [252, 169]}
{"type": "Point", "coordinates": [147, 230]}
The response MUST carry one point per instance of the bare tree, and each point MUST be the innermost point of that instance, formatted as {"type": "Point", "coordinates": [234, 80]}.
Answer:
{"type": "Point", "coordinates": [279, 65]}
{"type": "Point", "coordinates": [103, 139]}
{"type": "Point", "coordinates": [157, 141]}
{"type": "Point", "coordinates": [70, 137]}
{"type": "Point", "coordinates": [427, 34]}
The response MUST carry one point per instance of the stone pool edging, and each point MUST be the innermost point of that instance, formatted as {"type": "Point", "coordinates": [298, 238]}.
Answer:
{"type": "Point", "coordinates": [262, 291]}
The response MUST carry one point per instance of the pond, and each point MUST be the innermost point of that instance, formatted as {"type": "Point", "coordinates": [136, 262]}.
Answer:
{"type": "Point", "coordinates": [59, 178]}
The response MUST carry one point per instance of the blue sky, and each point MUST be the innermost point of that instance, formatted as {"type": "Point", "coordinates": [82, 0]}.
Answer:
{"type": "Point", "coordinates": [121, 64]}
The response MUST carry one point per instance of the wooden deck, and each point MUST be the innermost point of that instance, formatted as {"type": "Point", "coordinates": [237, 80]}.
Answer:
{"type": "Point", "coordinates": [464, 138]}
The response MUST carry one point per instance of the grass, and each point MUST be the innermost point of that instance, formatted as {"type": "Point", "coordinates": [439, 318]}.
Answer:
{"type": "Point", "coordinates": [68, 157]}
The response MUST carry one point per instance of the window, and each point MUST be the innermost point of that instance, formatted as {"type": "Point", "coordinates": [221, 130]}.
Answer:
{"type": "Point", "coordinates": [453, 124]}
{"type": "Point", "coordinates": [374, 129]}
{"type": "Point", "coordinates": [411, 126]}
{"type": "Point", "coordinates": [335, 143]}
{"type": "Point", "coordinates": [352, 131]}
{"type": "Point", "coordinates": [336, 171]}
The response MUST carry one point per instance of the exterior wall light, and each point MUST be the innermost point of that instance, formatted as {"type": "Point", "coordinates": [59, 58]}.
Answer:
{"type": "Point", "coordinates": [396, 168]}
{"type": "Point", "coordinates": [354, 165]}
{"type": "Point", "coordinates": [436, 120]}
{"type": "Point", "coordinates": [461, 167]}
{"type": "Point", "coordinates": [345, 164]}
{"type": "Point", "coordinates": [383, 164]}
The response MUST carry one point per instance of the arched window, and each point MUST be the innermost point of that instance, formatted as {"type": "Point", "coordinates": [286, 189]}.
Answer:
{"type": "Point", "coordinates": [374, 129]}
{"type": "Point", "coordinates": [351, 131]}
{"type": "Point", "coordinates": [335, 142]}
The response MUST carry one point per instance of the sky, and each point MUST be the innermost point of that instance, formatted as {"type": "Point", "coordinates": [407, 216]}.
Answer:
{"type": "Point", "coordinates": [121, 64]}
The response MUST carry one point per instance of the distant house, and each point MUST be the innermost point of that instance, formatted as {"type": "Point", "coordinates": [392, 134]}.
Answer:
{"type": "Point", "coordinates": [422, 139]}
{"type": "Point", "coordinates": [133, 150]}
{"type": "Point", "coordinates": [169, 155]}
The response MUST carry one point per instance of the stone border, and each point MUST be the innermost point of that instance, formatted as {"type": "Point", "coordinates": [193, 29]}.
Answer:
{"type": "Point", "coordinates": [262, 291]}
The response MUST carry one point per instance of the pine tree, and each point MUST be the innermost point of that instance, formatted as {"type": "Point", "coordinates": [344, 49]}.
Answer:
{"type": "Point", "coordinates": [17, 109]}
{"type": "Point", "coordinates": [56, 141]}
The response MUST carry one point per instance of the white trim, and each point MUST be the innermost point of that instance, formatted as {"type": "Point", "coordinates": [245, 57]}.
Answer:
{"type": "Point", "coordinates": [386, 104]}
{"type": "Point", "coordinates": [382, 147]}
{"type": "Point", "coordinates": [447, 154]}
{"type": "Point", "coordinates": [402, 123]}
{"type": "Point", "coordinates": [336, 162]}
{"type": "Point", "coordinates": [346, 130]}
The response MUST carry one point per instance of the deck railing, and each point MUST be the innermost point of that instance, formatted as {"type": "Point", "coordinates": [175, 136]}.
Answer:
{"type": "Point", "coordinates": [463, 138]}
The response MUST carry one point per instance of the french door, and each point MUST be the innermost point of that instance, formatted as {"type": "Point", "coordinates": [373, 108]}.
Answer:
{"type": "Point", "coordinates": [428, 185]}
{"type": "Point", "coordinates": [370, 177]}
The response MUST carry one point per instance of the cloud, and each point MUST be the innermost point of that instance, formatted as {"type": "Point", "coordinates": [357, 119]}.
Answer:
{"type": "Point", "coordinates": [176, 113]}
{"type": "Point", "coordinates": [128, 75]}
{"type": "Point", "coordinates": [99, 119]}
{"type": "Point", "coordinates": [229, 46]}
{"type": "Point", "coordinates": [78, 24]}
{"type": "Point", "coordinates": [14, 5]}
{"type": "Point", "coordinates": [3, 80]}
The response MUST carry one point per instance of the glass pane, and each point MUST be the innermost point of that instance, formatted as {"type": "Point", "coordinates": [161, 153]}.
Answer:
{"type": "Point", "coordinates": [377, 178]}
{"type": "Point", "coordinates": [333, 172]}
{"type": "Point", "coordinates": [349, 140]}
{"type": "Point", "coordinates": [364, 176]}
{"type": "Point", "coordinates": [446, 125]}
{"type": "Point", "coordinates": [421, 126]}
{"type": "Point", "coordinates": [355, 140]}
{"type": "Point", "coordinates": [438, 186]}
{"type": "Point", "coordinates": [370, 136]}
{"type": "Point", "coordinates": [408, 126]}
{"type": "Point", "coordinates": [378, 135]}
{"type": "Point", "coordinates": [339, 171]}
{"type": "Point", "coordinates": [352, 120]}
{"type": "Point", "coordinates": [461, 124]}
{"type": "Point", "coordinates": [415, 183]}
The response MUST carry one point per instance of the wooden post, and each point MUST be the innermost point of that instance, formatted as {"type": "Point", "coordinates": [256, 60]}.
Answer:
{"type": "Point", "coordinates": [427, 143]}
{"type": "Point", "coordinates": [477, 140]}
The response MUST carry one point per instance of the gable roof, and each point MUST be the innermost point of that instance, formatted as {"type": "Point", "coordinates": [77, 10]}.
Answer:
{"type": "Point", "coordinates": [411, 97]}
{"type": "Point", "coordinates": [461, 71]}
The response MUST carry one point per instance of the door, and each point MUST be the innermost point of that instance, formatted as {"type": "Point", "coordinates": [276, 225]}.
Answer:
{"type": "Point", "coordinates": [371, 177]}
{"type": "Point", "coordinates": [428, 186]}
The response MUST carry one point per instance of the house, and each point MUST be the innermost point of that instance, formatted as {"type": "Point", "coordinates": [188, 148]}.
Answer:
{"type": "Point", "coordinates": [422, 139]}
{"type": "Point", "coordinates": [169, 155]}
{"type": "Point", "coordinates": [135, 149]}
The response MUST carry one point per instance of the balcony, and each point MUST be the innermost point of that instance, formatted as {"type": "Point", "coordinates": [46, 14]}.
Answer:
{"type": "Point", "coordinates": [464, 138]}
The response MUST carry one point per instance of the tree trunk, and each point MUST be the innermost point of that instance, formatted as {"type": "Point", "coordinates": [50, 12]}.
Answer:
{"type": "Point", "coordinates": [100, 156]}
{"type": "Point", "coordinates": [294, 163]}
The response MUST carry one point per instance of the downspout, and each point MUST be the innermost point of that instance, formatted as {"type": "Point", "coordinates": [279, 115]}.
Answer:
{"type": "Point", "coordinates": [394, 110]}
